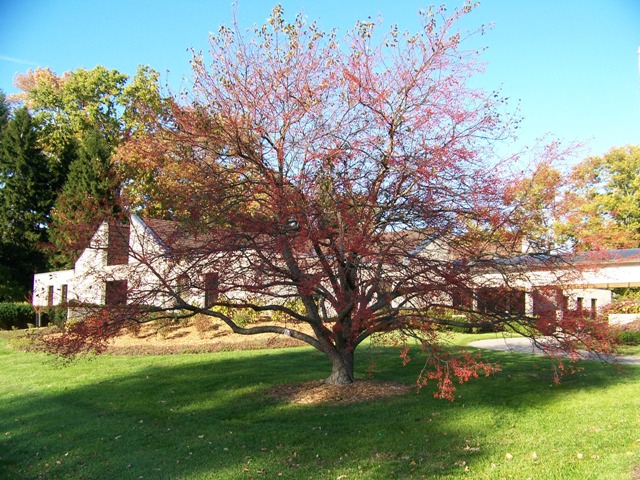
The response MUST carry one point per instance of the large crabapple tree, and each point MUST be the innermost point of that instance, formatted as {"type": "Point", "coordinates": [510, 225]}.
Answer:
{"type": "Point", "coordinates": [346, 183]}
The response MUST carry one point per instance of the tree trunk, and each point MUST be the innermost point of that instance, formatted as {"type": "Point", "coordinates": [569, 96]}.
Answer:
{"type": "Point", "coordinates": [342, 369]}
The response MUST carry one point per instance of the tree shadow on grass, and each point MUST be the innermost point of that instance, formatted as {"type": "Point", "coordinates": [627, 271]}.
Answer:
{"type": "Point", "coordinates": [207, 416]}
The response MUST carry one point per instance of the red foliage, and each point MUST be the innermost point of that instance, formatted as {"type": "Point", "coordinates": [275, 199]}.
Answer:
{"type": "Point", "coordinates": [91, 335]}
{"type": "Point", "coordinates": [446, 369]}
{"type": "Point", "coordinates": [443, 364]}
{"type": "Point", "coordinates": [355, 177]}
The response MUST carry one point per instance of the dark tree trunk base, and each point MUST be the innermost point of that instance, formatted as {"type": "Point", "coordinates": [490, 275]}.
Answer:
{"type": "Point", "coordinates": [342, 371]}
{"type": "Point", "coordinates": [340, 379]}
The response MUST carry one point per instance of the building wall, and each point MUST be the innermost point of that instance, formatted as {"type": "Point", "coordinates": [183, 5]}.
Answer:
{"type": "Point", "coordinates": [601, 297]}
{"type": "Point", "coordinates": [42, 282]}
{"type": "Point", "coordinates": [86, 283]}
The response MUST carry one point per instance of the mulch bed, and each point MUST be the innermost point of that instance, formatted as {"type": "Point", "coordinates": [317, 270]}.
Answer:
{"type": "Point", "coordinates": [203, 347]}
{"type": "Point", "coordinates": [319, 392]}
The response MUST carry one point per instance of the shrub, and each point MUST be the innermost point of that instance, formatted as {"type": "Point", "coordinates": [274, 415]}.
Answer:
{"type": "Point", "coordinates": [165, 326]}
{"type": "Point", "coordinates": [56, 316]}
{"type": "Point", "coordinates": [624, 305]}
{"type": "Point", "coordinates": [134, 328]}
{"type": "Point", "coordinates": [204, 324]}
{"type": "Point", "coordinates": [629, 334]}
{"type": "Point", "coordinates": [16, 315]}
{"type": "Point", "coordinates": [466, 326]}
{"type": "Point", "coordinates": [245, 316]}
{"type": "Point", "coordinates": [627, 302]}
{"type": "Point", "coordinates": [628, 337]}
{"type": "Point", "coordinates": [294, 304]}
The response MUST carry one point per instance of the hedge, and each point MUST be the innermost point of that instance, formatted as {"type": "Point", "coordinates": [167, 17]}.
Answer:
{"type": "Point", "coordinates": [16, 315]}
{"type": "Point", "coordinates": [629, 334]}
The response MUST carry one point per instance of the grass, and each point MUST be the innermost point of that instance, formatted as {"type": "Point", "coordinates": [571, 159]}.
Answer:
{"type": "Point", "coordinates": [633, 350]}
{"type": "Point", "coordinates": [206, 416]}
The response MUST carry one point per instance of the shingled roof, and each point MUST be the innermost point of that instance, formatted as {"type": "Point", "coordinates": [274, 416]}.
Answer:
{"type": "Point", "coordinates": [174, 235]}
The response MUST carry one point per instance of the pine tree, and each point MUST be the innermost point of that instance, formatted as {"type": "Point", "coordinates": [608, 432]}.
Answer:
{"type": "Point", "coordinates": [89, 195]}
{"type": "Point", "coordinates": [25, 206]}
{"type": "Point", "coordinates": [91, 173]}
{"type": "Point", "coordinates": [4, 111]}
{"type": "Point", "coordinates": [25, 194]}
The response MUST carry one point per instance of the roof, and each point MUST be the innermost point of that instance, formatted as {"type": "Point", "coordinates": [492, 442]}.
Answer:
{"type": "Point", "coordinates": [175, 236]}
{"type": "Point", "coordinates": [629, 255]}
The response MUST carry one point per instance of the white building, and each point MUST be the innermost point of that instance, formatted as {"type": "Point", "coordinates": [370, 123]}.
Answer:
{"type": "Point", "coordinates": [115, 269]}
{"type": "Point", "coordinates": [115, 266]}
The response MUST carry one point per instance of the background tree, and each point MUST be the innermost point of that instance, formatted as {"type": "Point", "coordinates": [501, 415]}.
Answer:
{"type": "Point", "coordinates": [534, 198]}
{"type": "Point", "coordinates": [149, 191]}
{"type": "Point", "coordinates": [89, 195]}
{"type": "Point", "coordinates": [25, 205]}
{"type": "Point", "coordinates": [4, 111]}
{"type": "Point", "coordinates": [78, 102]}
{"type": "Point", "coordinates": [84, 115]}
{"type": "Point", "coordinates": [74, 103]}
{"type": "Point", "coordinates": [602, 205]}
{"type": "Point", "coordinates": [348, 184]}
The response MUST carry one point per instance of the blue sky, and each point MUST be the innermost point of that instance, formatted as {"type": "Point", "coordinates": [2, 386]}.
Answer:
{"type": "Point", "coordinates": [571, 64]}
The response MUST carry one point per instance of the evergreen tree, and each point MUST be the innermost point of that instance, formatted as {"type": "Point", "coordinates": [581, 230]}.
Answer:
{"type": "Point", "coordinates": [90, 174]}
{"type": "Point", "coordinates": [18, 263]}
{"type": "Point", "coordinates": [60, 163]}
{"type": "Point", "coordinates": [4, 111]}
{"type": "Point", "coordinates": [89, 195]}
{"type": "Point", "coordinates": [25, 195]}
{"type": "Point", "coordinates": [25, 205]}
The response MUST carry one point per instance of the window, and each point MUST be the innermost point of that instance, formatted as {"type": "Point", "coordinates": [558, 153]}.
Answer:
{"type": "Point", "coordinates": [118, 247]}
{"type": "Point", "coordinates": [210, 289]}
{"type": "Point", "coordinates": [501, 300]}
{"type": "Point", "coordinates": [594, 307]}
{"type": "Point", "coordinates": [64, 294]}
{"type": "Point", "coordinates": [462, 299]}
{"type": "Point", "coordinates": [116, 293]}
{"type": "Point", "coordinates": [50, 296]}
{"type": "Point", "coordinates": [547, 301]}
{"type": "Point", "coordinates": [579, 304]}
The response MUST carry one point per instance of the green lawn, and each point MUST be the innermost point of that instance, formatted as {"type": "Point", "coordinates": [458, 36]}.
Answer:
{"type": "Point", "coordinates": [205, 416]}
{"type": "Point", "coordinates": [630, 350]}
